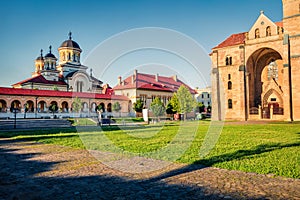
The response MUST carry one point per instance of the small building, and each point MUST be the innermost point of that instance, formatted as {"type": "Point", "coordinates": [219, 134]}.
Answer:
{"type": "Point", "coordinates": [204, 96]}
{"type": "Point", "coordinates": [147, 87]}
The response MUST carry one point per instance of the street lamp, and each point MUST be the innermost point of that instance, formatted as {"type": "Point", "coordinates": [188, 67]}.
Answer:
{"type": "Point", "coordinates": [15, 110]}
{"type": "Point", "coordinates": [36, 106]}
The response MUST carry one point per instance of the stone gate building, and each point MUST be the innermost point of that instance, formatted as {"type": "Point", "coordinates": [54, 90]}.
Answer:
{"type": "Point", "coordinates": [255, 74]}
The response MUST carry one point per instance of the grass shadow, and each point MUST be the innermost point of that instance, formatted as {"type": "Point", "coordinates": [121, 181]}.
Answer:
{"type": "Point", "coordinates": [22, 178]}
{"type": "Point", "coordinates": [24, 132]}
{"type": "Point", "coordinates": [240, 154]}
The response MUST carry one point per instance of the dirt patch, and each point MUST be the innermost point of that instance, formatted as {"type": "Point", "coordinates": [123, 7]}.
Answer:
{"type": "Point", "coordinates": [41, 171]}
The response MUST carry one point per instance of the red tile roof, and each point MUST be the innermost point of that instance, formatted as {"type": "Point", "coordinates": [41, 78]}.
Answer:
{"type": "Point", "coordinates": [54, 93]}
{"type": "Point", "coordinates": [40, 79]}
{"type": "Point", "coordinates": [234, 39]}
{"type": "Point", "coordinates": [107, 89]}
{"type": "Point", "coordinates": [280, 24]}
{"type": "Point", "coordinates": [239, 38]}
{"type": "Point", "coordinates": [148, 82]}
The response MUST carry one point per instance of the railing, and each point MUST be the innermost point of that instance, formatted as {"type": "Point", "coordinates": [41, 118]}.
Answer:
{"type": "Point", "coordinates": [278, 111]}
{"type": "Point", "coordinates": [10, 115]}
{"type": "Point", "coordinates": [254, 111]}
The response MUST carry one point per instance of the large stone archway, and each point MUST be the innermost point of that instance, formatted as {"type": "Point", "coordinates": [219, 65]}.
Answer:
{"type": "Point", "coordinates": [265, 79]}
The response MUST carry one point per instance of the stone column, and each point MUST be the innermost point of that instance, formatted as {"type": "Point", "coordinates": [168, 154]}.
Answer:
{"type": "Point", "coordinates": [271, 112]}
{"type": "Point", "coordinates": [259, 112]}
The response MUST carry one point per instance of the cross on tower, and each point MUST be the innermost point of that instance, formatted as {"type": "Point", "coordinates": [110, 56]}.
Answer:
{"type": "Point", "coordinates": [70, 35]}
{"type": "Point", "coordinates": [41, 53]}
{"type": "Point", "coordinates": [50, 47]}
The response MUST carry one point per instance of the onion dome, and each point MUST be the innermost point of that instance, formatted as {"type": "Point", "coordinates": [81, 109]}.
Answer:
{"type": "Point", "coordinates": [70, 43]}
{"type": "Point", "coordinates": [50, 55]}
{"type": "Point", "coordinates": [41, 56]}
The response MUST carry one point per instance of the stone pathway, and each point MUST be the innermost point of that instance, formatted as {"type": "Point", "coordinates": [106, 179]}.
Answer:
{"type": "Point", "coordinates": [31, 170]}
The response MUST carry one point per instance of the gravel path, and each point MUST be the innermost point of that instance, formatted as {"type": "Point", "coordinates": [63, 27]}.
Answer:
{"type": "Point", "coordinates": [40, 171]}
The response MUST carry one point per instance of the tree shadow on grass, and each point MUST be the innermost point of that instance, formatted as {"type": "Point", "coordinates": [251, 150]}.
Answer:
{"type": "Point", "coordinates": [240, 154]}
{"type": "Point", "coordinates": [24, 132]}
{"type": "Point", "coordinates": [21, 178]}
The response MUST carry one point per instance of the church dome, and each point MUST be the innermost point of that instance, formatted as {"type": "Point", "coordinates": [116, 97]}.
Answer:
{"type": "Point", "coordinates": [41, 56]}
{"type": "Point", "coordinates": [50, 55]}
{"type": "Point", "coordinates": [70, 43]}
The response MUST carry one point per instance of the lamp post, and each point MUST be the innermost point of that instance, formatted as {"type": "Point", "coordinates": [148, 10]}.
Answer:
{"type": "Point", "coordinates": [15, 115]}
{"type": "Point", "coordinates": [36, 106]}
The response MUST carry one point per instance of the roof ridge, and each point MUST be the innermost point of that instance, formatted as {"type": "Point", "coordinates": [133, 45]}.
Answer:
{"type": "Point", "coordinates": [232, 40]}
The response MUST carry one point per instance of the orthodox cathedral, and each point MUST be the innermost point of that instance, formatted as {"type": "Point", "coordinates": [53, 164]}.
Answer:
{"type": "Point", "coordinates": [63, 74]}
{"type": "Point", "coordinates": [55, 84]}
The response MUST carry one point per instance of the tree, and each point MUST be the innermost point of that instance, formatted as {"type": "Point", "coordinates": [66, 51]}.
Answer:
{"type": "Point", "coordinates": [100, 108]}
{"type": "Point", "coordinates": [208, 109]}
{"type": "Point", "coordinates": [200, 107]}
{"type": "Point", "coordinates": [55, 88]}
{"type": "Point", "coordinates": [186, 100]}
{"type": "Point", "coordinates": [175, 104]}
{"type": "Point", "coordinates": [157, 107]}
{"type": "Point", "coordinates": [77, 105]}
{"type": "Point", "coordinates": [116, 107]}
{"type": "Point", "coordinates": [53, 108]}
{"type": "Point", "coordinates": [170, 109]}
{"type": "Point", "coordinates": [25, 109]}
{"type": "Point", "coordinates": [138, 106]}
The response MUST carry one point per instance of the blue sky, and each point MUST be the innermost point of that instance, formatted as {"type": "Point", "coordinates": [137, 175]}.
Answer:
{"type": "Point", "coordinates": [27, 26]}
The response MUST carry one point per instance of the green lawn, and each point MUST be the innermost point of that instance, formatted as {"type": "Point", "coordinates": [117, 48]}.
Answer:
{"type": "Point", "coordinates": [266, 149]}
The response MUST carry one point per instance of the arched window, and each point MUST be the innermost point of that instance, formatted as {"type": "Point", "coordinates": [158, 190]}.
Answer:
{"type": "Point", "coordinates": [257, 33]}
{"type": "Point", "coordinates": [109, 107]}
{"type": "Point", "coordinates": [100, 107]}
{"type": "Point", "coordinates": [69, 56]}
{"type": "Point", "coordinates": [30, 106]}
{"type": "Point", "coordinates": [228, 60]}
{"type": "Point", "coordinates": [229, 103]}
{"type": "Point", "coordinates": [42, 106]}
{"type": "Point", "coordinates": [79, 86]}
{"type": "Point", "coordinates": [84, 107]}
{"type": "Point", "coordinates": [53, 106]}
{"type": "Point", "coordinates": [15, 105]}
{"type": "Point", "coordinates": [93, 107]}
{"type": "Point", "coordinates": [229, 76]}
{"type": "Point", "coordinates": [229, 85]}
{"type": "Point", "coordinates": [65, 106]}
{"type": "Point", "coordinates": [3, 106]}
{"type": "Point", "coordinates": [268, 31]}
{"type": "Point", "coordinates": [63, 56]}
{"type": "Point", "coordinates": [74, 58]}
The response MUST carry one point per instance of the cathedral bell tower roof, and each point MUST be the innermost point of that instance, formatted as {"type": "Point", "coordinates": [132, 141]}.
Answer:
{"type": "Point", "coordinates": [70, 43]}
{"type": "Point", "coordinates": [50, 55]}
{"type": "Point", "coordinates": [41, 56]}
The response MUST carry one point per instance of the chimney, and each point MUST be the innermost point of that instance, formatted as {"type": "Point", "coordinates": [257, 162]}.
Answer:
{"type": "Point", "coordinates": [175, 78]}
{"type": "Point", "coordinates": [119, 80]}
{"type": "Point", "coordinates": [134, 76]}
{"type": "Point", "coordinates": [156, 77]}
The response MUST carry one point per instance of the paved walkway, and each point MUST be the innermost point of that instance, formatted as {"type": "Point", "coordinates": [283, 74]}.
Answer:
{"type": "Point", "coordinates": [30, 170]}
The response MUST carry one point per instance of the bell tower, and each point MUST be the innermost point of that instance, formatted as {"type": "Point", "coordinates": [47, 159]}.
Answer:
{"type": "Point", "coordinates": [291, 21]}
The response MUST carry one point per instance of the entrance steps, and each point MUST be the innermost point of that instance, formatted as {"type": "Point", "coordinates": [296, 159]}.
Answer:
{"type": "Point", "coordinates": [34, 124]}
